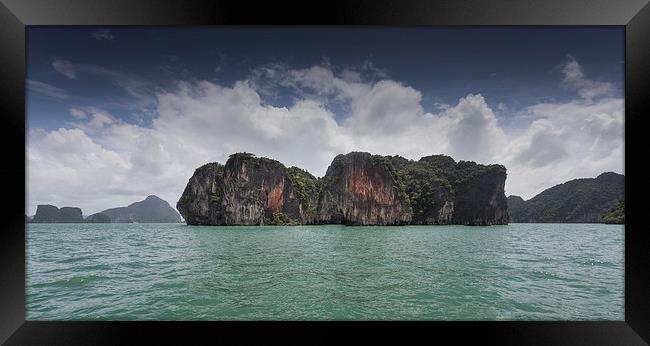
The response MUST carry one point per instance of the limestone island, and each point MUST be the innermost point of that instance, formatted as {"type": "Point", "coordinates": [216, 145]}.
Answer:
{"type": "Point", "coordinates": [357, 189]}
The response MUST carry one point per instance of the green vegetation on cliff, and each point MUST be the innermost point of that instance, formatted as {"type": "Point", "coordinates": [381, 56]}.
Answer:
{"type": "Point", "coordinates": [425, 188]}
{"type": "Point", "coordinates": [389, 163]}
{"type": "Point", "coordinates": [617, 213]}
{"type": "Point", "coordinates": [432, 190]}
{"type": "Point", "coordinates": [280, 219]}
{"type": "Point", "coordinates": [438, 187]}
{"type": "Point", "coordinates": [307, 187]}
{"type": "Point", "coordinates": [261, 162]}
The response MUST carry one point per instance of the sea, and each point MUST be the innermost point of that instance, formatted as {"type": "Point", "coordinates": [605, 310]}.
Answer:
{"type": "Point", "coordinates": [133, 272]}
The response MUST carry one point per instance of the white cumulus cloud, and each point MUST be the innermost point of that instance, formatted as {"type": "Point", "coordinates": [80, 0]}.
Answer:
{"type": "Point", "coordinates": [574, 77]}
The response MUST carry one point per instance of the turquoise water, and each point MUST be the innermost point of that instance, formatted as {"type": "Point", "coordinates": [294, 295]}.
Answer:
{"type": "Point", "coordinates": [179, 272]}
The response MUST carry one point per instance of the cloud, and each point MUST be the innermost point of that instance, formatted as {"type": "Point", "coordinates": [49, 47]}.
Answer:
{"type": "Point", "coordinates": [66, 167]}
{"type": "Point", "coordinates": [198, 123]}
{"type": "Point", "coordinates": [385, 108]}
{"type": "Point", "coordinates": [47, 90]}
{"type": "Point", "coordinates": [574, 77]}
{"type": "Point", "coordinates": [91, 119]}
{"type": "Point", "coordinates": [78, 113]}
{"type": "Point", "coordinates": [474, 133]}
{"type": "Point", "coordinates": [104, 162]}
{"type": "Point", "coordinates": [215, 121]}
{"type": "Point", "coordinates": [139, 89]}
{"type": "Point", "coordinates": [567, 140]}
{"type": "Point", "coordinates": [326, 82]}
{"type": "Point", "coordinates": [103, 34]}
{"type": "Point", "coordinates": [544, 145]}
{"type": "Point", "coordinates": [65, 67]}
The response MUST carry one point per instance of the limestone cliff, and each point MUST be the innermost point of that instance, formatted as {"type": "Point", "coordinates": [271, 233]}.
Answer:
{"type": "Point", "coordinates": [362, 189]}
{"type": "Point", "coordinates": [46, 213]}
{"type": "Point", "coordinates": [200, 203]}
{"type": "Point", "coordinates": [256, 189]}
{"type": "Point", "coordinates": [480, 195]}
{"type": "Point", "coordinates": [430, 193]}
{"type": "Point", "coordinates": [357, 189]}
{"type": "Point", "coordinates": [384, 190]}
{"type": "Point", "coordinates": [247, 190]}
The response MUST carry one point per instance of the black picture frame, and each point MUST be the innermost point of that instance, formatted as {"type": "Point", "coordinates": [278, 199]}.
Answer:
{"type": "Point", "coordinates": [16, 14]}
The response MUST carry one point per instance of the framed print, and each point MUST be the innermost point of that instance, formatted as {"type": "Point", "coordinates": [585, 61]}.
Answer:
{"type": "Point", "coordinates": [216, 168]}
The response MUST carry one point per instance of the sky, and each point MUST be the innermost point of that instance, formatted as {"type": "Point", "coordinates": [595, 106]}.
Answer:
{"type": "Point", "coordinates": [115, 114]}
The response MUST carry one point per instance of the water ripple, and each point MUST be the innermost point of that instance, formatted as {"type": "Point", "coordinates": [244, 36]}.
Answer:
{"type": "Point", "coordinates": [177, 272]}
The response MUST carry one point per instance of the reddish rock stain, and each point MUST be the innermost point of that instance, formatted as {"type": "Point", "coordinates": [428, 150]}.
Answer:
{"type": "Point", "coordinates": [275, 199]}
{"type": "Point", "coordinates": [369, 187]}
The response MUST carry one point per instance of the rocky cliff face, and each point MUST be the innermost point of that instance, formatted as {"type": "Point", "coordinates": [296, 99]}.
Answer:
{"type": "Point", "coordinates": [480, 195]}
{"type": "Point", "coordinates": [71, 214]}
{"type": "Point", "coordinates": [256, 189]}
{"type": "Point", "coordinates": [430, 194]}
{"type": "Point", "coordinates": [362, 189]}
{"type": "Point", "coordinates": [358, 189]}
{"type": "Point", "coordinates": [247, 190]}
{"type": "Point", "coordinates": [432, 190]}
{"type": "Point", "coordinates": [46, 213]}
{"type": "Point", "coordinates": [200, 203]}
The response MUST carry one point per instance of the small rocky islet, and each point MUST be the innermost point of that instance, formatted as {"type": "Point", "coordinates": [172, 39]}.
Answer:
{"type": "Point", "coordinates": [358, 189]}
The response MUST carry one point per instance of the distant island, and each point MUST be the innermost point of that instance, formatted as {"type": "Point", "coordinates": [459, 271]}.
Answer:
{"type": "Point", "coordinates": [357, 189]}
{"type": "Point", "coordinates": [151, 210]}
{"type": "Point", "coordinates": [46, 213]}
{"type": "Point", "coordinates": [585, 200]}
